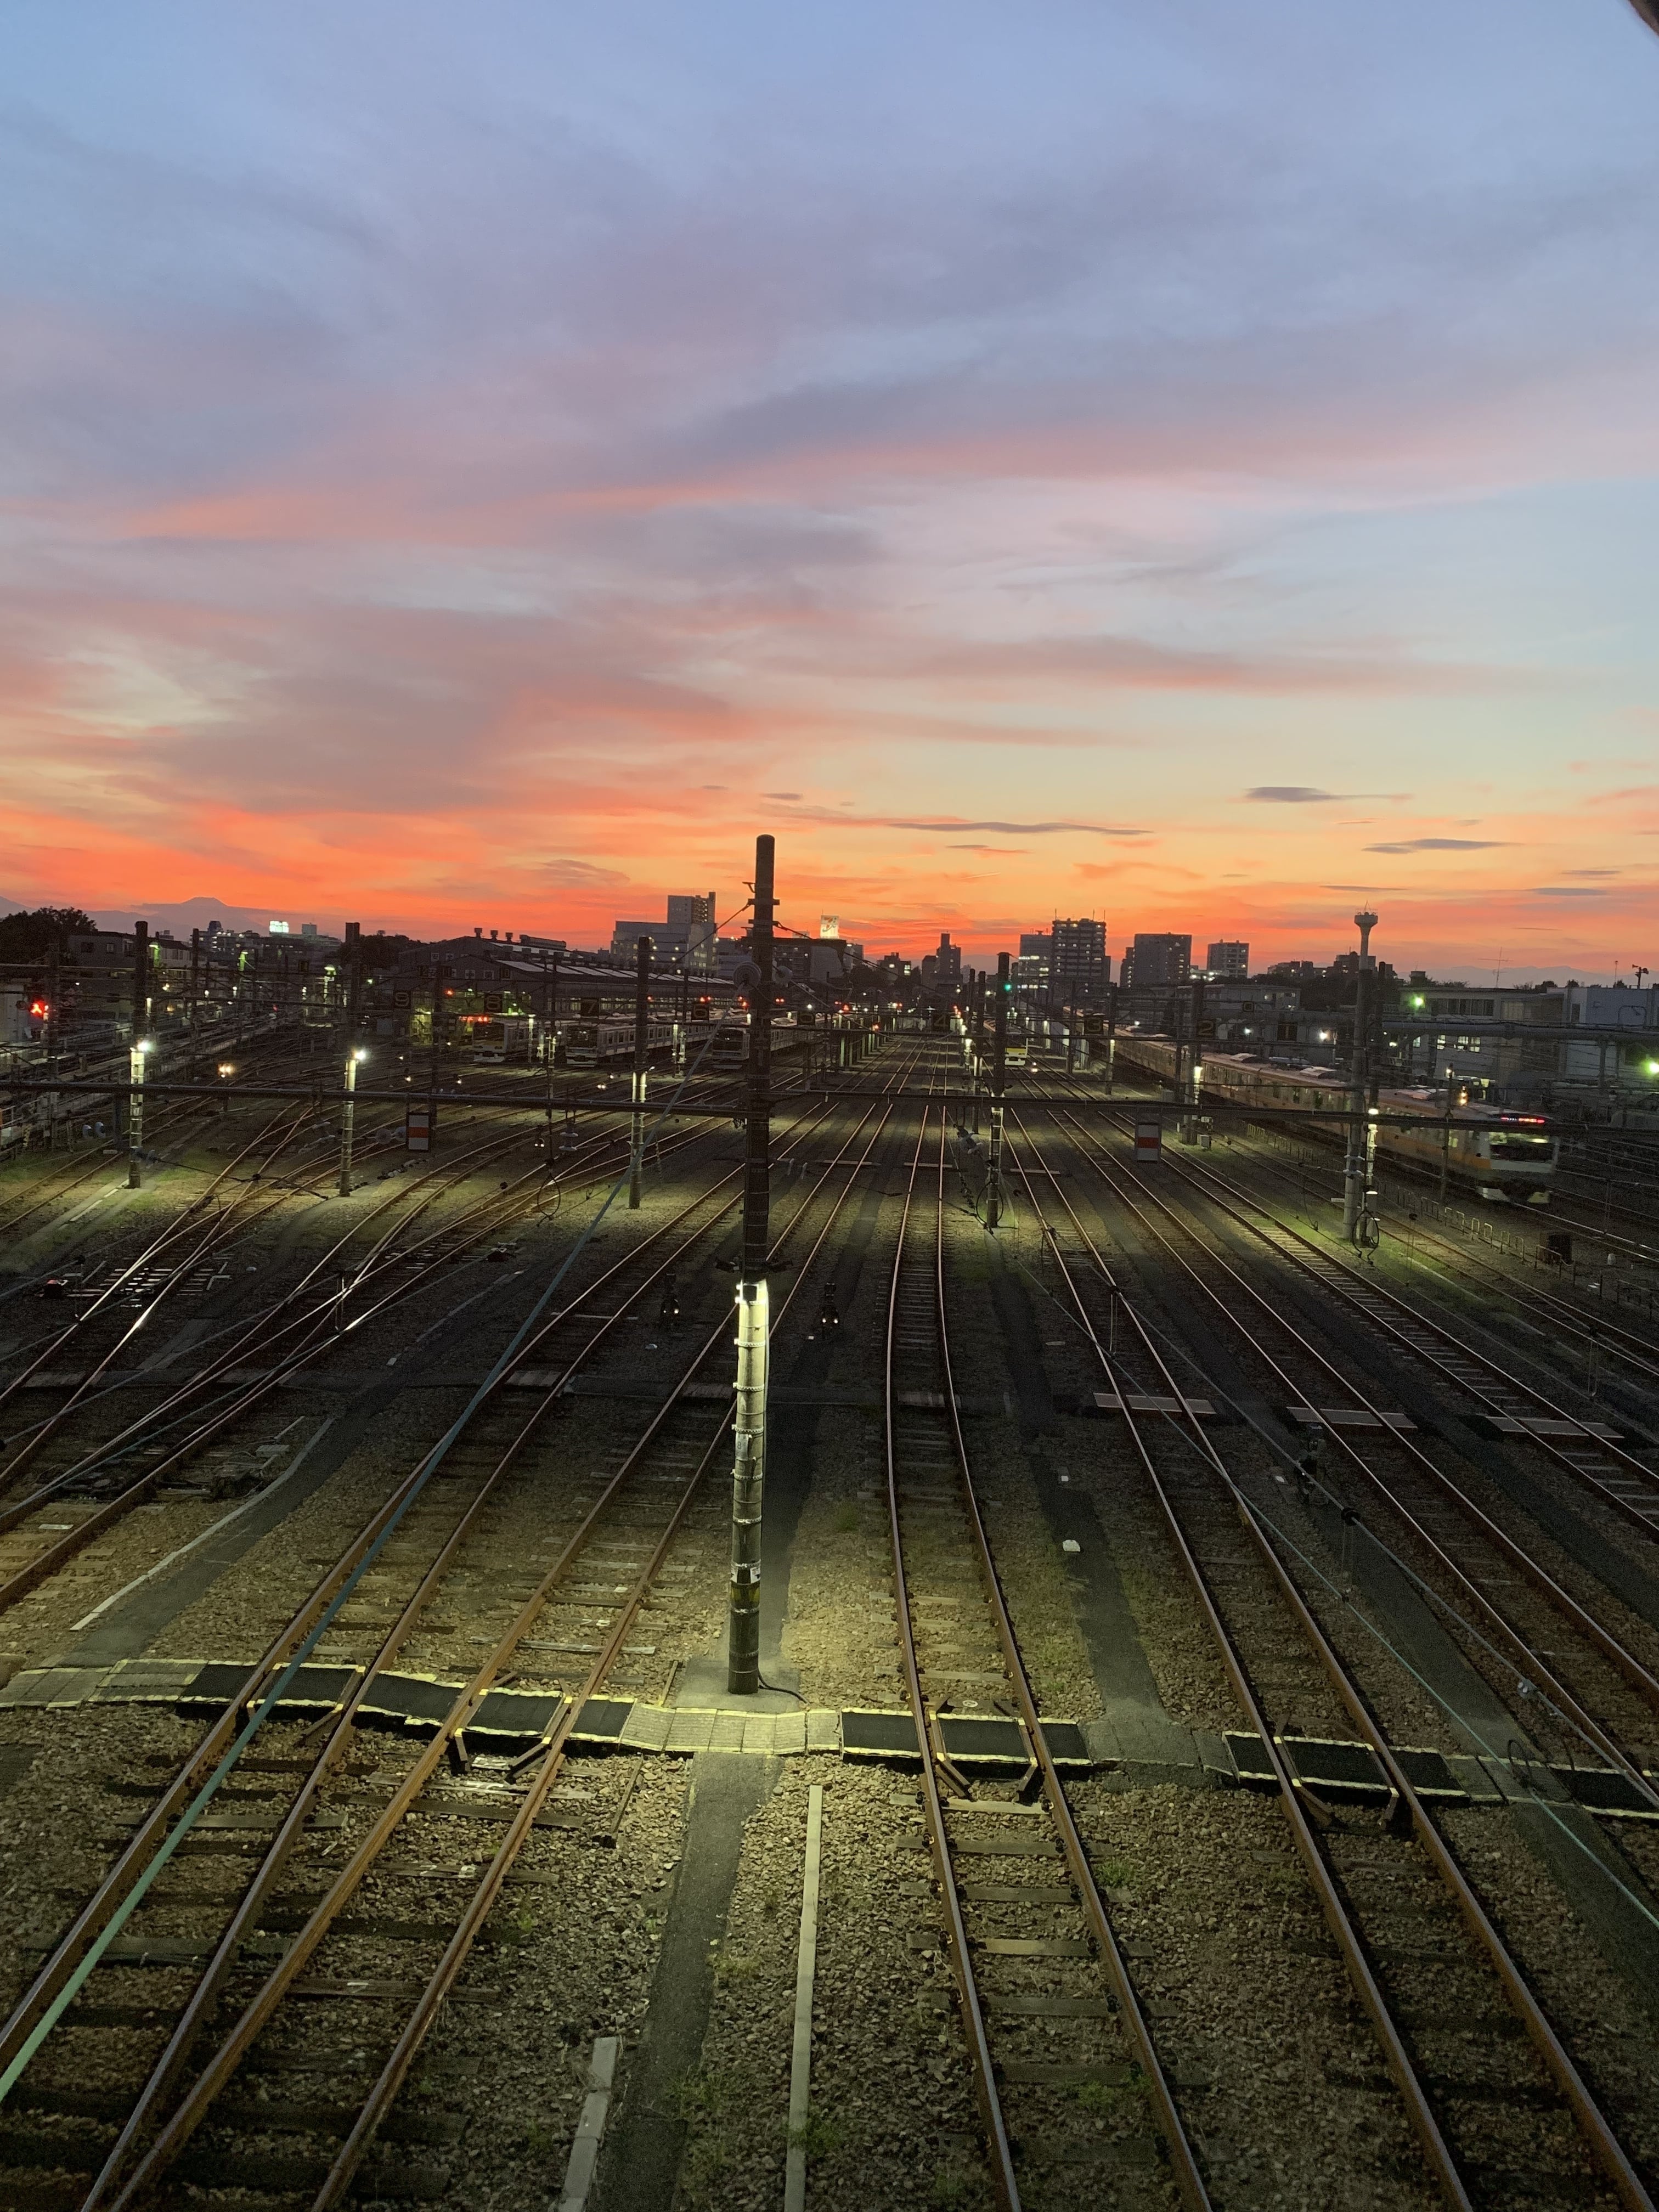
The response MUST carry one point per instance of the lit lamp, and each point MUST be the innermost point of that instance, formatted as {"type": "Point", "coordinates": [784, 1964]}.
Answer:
{"type": "Point", "coordinates": [141, 1047]}
{"type": "Point", "coordinates": [357, 1053]}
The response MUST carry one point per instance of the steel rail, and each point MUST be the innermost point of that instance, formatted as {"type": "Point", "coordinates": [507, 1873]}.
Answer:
{"type": "Point", "coordinates": [147, 1258]}
{"type": "Point", "coordinates": [1531, 1297]}
{"type": "Point", "coordinates": [319, 1329]}
{"type": "Point", "coordinates": [1518, 1646]}
{"type": "Point", "coordinates": [1598, 2135]}
{"type": "Point", "coordinates": [1187, 2180]}
{"type": "Point", "coordinates": [342, 1719]}
{"type": "Point", "coordinates": [1004, 2180]}
{"type": "Point", "coordinates": [396, 2069]}
{"type": "Point", "coordinates": [1365, 1297]}
{"type": "Point", "coordinates": [86, 1169]}
{"type": "Point", "coordinates": [255, 1331]}
{"type": "Point", "coordinates": [1335, 1271]}
{"type": "Point", "coordinates": [190, 2113]}
{"type": "Point", "coordinates": [83, 1390]}
{"type": "Point", "coordinates": [130, 1867]}
{"type": "Point", "coordinates": [1435, 2151]}
{"type": "Point", "coordinates": [1608, 2151]}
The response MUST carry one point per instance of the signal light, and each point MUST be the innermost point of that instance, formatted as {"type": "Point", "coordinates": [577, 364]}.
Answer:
{"type": "Point", "coordinates": [39, 1010]}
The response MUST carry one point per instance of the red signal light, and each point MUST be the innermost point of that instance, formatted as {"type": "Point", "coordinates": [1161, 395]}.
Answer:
{"type": "Point", "coordinates": [39, 1010]}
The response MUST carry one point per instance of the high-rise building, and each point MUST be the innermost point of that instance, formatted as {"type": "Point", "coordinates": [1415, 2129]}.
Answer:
{"type": "Point", "coordinates": [694, 913]}
{"type": "Point", "coordinates": [1079, 969]}
{"type": "Point", "coordinates": [947, 961]}
{"type": "Point", "coordinates": [1228, 957]}
{"type": "Point", "coordinates": [1162, 962]}
{"type": "Point", "coordinates": [687, 934]}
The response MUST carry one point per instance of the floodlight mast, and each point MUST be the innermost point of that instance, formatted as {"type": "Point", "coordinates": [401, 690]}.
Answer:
{"type": "Point", "coordinates": [754, 1325]}
{"type": "Point", "coordinates": [998, 1066]}
{"type": "Point", "coordinates": [642, 1019]}
{"type": "Point", "coordinates": [140, 1047]}
{"type": "Point", "coordinates": [1356, 1167]}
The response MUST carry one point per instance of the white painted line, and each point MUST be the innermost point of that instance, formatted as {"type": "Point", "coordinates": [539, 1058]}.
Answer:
{"type": "Point", "coordinates": [590, 2128]}
{"type": "Point", "coordinates": [801, 2057]}
{"type": "Point", "coordinates": [184, 1550]}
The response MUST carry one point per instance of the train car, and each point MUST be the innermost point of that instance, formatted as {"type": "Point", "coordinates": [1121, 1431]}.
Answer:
{"type": "Point", "coordinates": [712, 1045]}
{"type": "Point", "coordinates": [610, 1043]}
{"type": "Point", "coordinates": [1489, 1150]}
{"type": "Point", "coordinates": [498, 1038]}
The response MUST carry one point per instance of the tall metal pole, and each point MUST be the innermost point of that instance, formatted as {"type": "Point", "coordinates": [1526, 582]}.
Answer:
{"type": "Point", "coordinates": [749, 1424]}
{"type": "Point", "coordinates": [550, 1033]}
{"type": "Point", "coordinates": [348, 1108]}
{"type": "Point", "coordinates": [642, 1015]}
{"type": "Point", "coordinates": [1353, 1170]}
{"type": "Point", "coordinates": [354, 990]}
{"type": "Point", "coordinates": [976, 1031]}
{"type": "Point", "coordinates": [998, 1063]}
{"type": "Point", "coordinates": [140, 1045]}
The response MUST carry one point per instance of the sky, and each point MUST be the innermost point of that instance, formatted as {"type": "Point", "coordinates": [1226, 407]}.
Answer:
{"type": "Point", "coordinates": [1191, 465]}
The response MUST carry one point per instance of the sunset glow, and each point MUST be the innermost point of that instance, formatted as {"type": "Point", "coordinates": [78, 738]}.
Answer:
{"type": "Point", "coordinates": [1193, 465]}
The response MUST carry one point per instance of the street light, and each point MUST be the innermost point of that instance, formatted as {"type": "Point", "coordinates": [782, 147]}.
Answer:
{"type": "Point", "coordinates": [141, 1047]}
{"type": "Point", "coordinates": [357, 1053]}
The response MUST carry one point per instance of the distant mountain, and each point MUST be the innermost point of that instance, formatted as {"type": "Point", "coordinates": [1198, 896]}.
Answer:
{"type": "Point", "coordinates": [182, 915]}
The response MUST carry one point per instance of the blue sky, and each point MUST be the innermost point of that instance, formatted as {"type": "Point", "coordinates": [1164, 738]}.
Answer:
{"type": "Point", "coordinates": [458, 464]}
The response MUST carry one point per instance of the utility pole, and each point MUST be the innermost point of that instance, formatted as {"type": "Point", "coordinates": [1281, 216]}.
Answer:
{"type": "Point", "coordinates": [754, 1325]}
{"type": "Point", "coordinates": [1353, 1171]}
{"type": "Point", "coordinates": [550, 1033]}
{"type": "Point", "coordinates": [348, 1110]}
{"type": "Point", "coordinates": [641, 1016]}
{"type": "Point", "coordinates": [195, 987]}
{"type": "Point", "coordinates": [976, 1032]}
{"type": "Point", "coordinates": [999, 1062]}
{"type": "Point", "coordinates": [354, 997]}
{"type": "Point", "coordinates": [140, 1047]}
{"type": "Point", "coordinates": [1194, 1092]}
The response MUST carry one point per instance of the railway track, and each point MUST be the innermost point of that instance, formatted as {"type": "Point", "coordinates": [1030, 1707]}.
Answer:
{"type": "Point", "coordinates": [1590, 1454]}
{"type": "Point", "coordinates": [1554, 1318]}
{"type": "Point", "coordinates": [1024, 1956]}
{"type": "Point", "coordinates": [1493, 2114]}
{"type": "Point", "coordinates": [165, 1121]}
{"type": "Point", "coordinates": [124, 1472]}
{"type": "Point", "coordinates": [484, 1526]}
{"type": "Point", "coordinates": [1538, 1646]}
{"type": "Point", "coordinates": [307, 1324]}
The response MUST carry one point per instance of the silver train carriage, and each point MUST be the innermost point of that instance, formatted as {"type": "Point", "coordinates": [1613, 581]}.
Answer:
{"type": "Point", "coordinates": [610, 1043]}
{"type": "Point", "coordinates": [1493, 1153]}
{"type": "Point", "coordinates": [712, 1046]}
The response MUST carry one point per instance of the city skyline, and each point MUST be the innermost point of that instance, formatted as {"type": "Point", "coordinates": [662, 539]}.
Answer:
{"type": "Point", "coordinates": [1137, 462]}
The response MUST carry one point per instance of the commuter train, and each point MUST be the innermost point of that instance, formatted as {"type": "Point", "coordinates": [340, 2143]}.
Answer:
{"type": "Point", "coordinates": [1490, 1151]}
{"type": "Point", "coordinates": [610, 1043]}
{"type": "Point", "coordinates": [712, 1045]}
